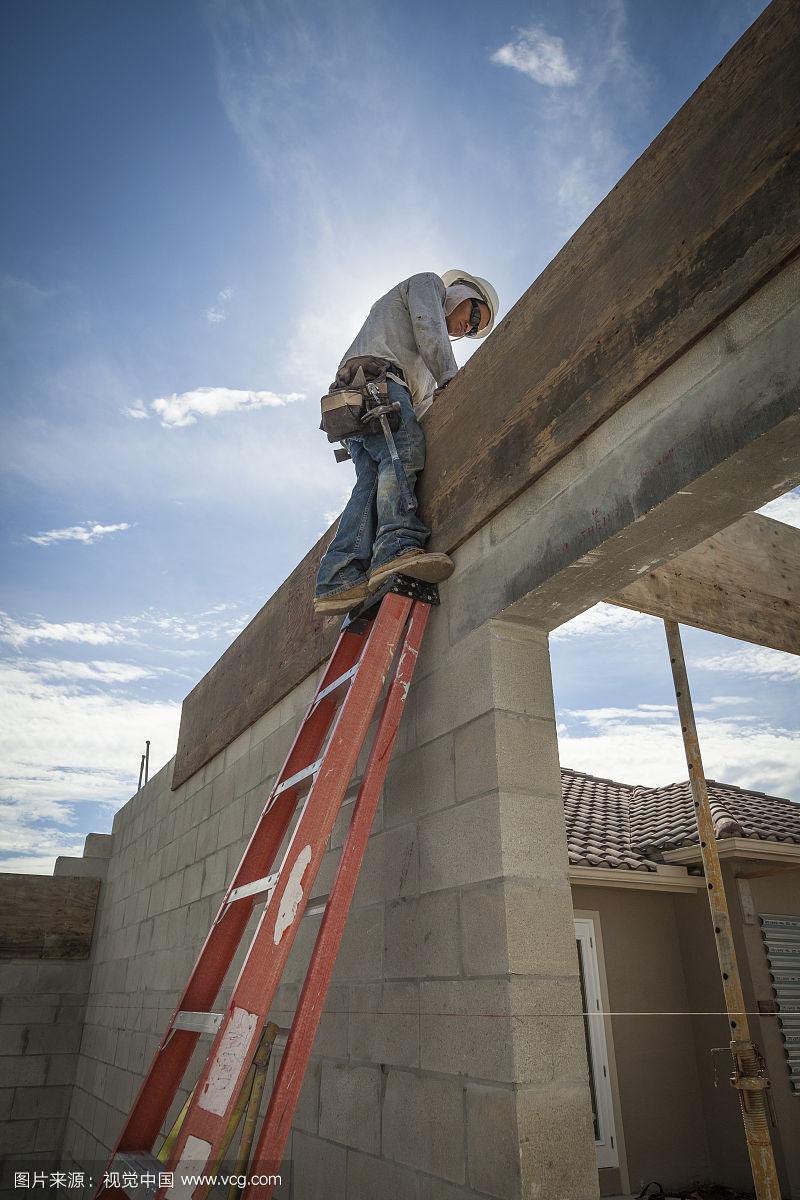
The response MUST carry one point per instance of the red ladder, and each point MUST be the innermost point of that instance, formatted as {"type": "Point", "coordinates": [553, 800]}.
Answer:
{"type": "Point", "coordinates": [323, 757]}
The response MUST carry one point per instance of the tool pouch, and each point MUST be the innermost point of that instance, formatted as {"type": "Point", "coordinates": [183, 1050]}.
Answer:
{"type": "Point", "coordinates": [345, 408]}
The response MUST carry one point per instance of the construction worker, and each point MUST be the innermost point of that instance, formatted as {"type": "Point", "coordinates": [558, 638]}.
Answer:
{"type": "Point", "coordinates": [409, 329]}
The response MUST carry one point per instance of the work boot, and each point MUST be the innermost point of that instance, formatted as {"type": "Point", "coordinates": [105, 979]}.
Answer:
{"type": "Point", "coordinates": [341, 602]}
{"type": "Point", "coordinates": [419, 564]}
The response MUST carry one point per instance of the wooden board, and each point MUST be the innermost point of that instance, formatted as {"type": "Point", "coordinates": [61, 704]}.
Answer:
{"type": "Point", "coordinates": [744, 582]}
{"type": "Point", "coordinates": [705, 216]}
{"type": "Point", "coordinates": [42, 916]}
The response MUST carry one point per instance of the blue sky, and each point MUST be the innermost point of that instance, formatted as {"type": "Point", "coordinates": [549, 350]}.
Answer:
{"type": "Point", "coordinates": [200, 203]}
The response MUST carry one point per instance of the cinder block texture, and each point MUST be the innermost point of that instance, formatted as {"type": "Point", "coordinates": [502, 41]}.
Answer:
{"type": "Point", "coordinates": [423, 1124]}
{"type": "Point", "coordinates": [456, 982]}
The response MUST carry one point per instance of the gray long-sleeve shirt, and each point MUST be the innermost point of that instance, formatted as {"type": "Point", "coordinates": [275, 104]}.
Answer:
{"type": "Point", "coordinates": [408, 327]}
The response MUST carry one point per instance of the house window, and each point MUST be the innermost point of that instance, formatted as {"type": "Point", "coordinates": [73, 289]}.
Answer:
{"type": "Point", "coordinates": [596, 1052]}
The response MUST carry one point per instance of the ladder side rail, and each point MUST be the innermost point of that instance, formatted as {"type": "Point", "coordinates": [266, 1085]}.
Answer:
{"type": "Point", "coordinates": [161, 1083]}
{"type": "Point", "coordinates": [253, 993]}
{"type": "Point", "coordinates": [289, 1079]}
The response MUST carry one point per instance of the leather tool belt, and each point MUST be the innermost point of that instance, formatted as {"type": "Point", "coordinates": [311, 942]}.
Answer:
{"type": "Point", "coordinates": [345, 408]}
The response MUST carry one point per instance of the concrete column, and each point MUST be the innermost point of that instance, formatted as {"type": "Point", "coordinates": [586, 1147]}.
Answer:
{"type": "Point", "coordinates": [452, 1065]}
{"type": "Point", "coordinates": [507, 1021]}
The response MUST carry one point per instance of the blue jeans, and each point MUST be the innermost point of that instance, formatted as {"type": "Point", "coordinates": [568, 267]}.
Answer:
{"type": "Point", "coordinates": [373, 527]}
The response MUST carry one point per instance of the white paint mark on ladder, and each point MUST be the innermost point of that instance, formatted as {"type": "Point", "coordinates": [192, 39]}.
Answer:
{"type": "Point", "coordinates": [190, 1164]}
{"type": "Point", "coordinates": [290, 900]}
{"type": "Point", "coordinates": [230, 1056]}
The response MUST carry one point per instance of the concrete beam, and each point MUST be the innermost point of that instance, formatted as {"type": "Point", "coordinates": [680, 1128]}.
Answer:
{"type": "Point", "coordinates": [713, 437]}
{"type": "Point", "coordinates": [743, 582]}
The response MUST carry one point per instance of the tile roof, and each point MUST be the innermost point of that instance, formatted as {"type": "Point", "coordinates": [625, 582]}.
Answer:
{"type": "Point", "coordinates": [629, 827]}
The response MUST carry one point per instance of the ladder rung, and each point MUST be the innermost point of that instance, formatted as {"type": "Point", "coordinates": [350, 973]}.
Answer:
{"type": "Point", "coordinates": [259, 887]}
{"type": "Point", "coordinates": [142, 1164]}
{"type": "Point", "coordinates": [198, 1022]}
{"type": "Point", "coordinates": [293, 780]}
{"type": "Point", "coordinates": [337, 683]}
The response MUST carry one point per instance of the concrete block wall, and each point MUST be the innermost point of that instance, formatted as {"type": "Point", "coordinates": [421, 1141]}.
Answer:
{"type": "Point", "coordinates": [449, 1062]}
{"type": "Point", "coordinates": [41, 1022]}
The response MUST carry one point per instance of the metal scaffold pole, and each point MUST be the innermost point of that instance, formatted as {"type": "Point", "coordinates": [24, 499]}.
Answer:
{"type": "Point", "coordinates": [749, 1074]}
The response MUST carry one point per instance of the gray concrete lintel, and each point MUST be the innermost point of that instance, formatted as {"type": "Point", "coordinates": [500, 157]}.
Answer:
{"type": "Point", "coordinates": [713, 437]}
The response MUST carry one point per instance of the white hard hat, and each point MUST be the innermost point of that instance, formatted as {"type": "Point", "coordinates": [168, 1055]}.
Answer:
{"type": "Point", "coordinates": [483, 287]}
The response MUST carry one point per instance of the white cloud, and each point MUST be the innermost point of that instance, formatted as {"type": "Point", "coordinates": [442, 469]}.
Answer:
{"type": "Point", "coordinates": [602, 619]}
{"type": "Point", "coordinates": [181, 409]}
{"type": "Point", "coordinates": [622, 744]}
{"type": "Point", "coordinates": [222, 621]}
{"type": "Point", "coordinates": [137, 411]}
{"type": "Point", "coordinates": [97, 671]}
{"type": "Point", "coordinates": [61, 743]}
{"type": "Point", "coordinates": [219, 312]}
{"type": "Point", "coordinates": [757, 662]}
{"type": "Point", "coordinates": [87, 532]}
{"type": "Point", "coordinates": [20, 633]}
{"type": "Point", "coordinates": [785, 508]}
{"type": "Point", "coordinates": [539, 56]}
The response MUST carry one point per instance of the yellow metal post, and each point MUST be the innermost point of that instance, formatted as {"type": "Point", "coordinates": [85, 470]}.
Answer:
{"type": "Point", "coordinates": [749, 1074]}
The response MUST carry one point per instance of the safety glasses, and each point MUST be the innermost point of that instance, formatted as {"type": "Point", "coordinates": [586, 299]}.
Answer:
{"type": "Point", "coordinates": [474, 319]}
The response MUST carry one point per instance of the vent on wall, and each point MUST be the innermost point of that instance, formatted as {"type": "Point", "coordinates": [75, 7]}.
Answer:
{"type": "Point", "coordinates": [781, 935]}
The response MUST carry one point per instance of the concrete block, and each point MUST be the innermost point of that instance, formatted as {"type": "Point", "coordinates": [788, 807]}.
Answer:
{"type": "Point", "coordinates": [231, 824]}
{"type": "Point", "coordinates": [173, 885]}
{"type": "Point", "coordinates": [98, 845]}
{"type": "Point", "coordinates": [369, 1178]}
{"type": "Point", "coordinates": [420, 782]}
{"type": "Point", "coordinates": [460, 845]}
{"type": "Point", "coordinates": [518, 927]}
{"type": "Point", "coordinates": [247, 771]}
{"type": "Point", "coordinates": [34, 1102]}
{"type": "Point", "coordinates": [422, 937]}
{"type": "Point", "coordinates": [83, 868]}
{"type": "Point", "coordinates": [390, 868]}
{"type": "Point", "coordinates": [547, 1030]}
{"type": "Point", "coordinates": [17, 1137]}
{"type": "Point", "coordinates": [14, 1039]}
{"type": "Point", "coordinates": [222, 791]}
{"type": "Point", "coordinates": [24, 1069]}
{"type": "Point", "coordinates": [384, 1023]}
{"type": "Point", "coordinates": [61, 1069]}
{"type": "Point", "coordinates": [349, 1107]}
{"type": "Point", "coordinates": [533, 835]}
{"type": "Point", "coordinates": [237, 748]}
{"type": "Point", "coordinates": [458, 690]}
{"type": "Point", "coordinates": [19, 978]}
{"type": "Point", "coordinates": [49, 1134]}
{"type": "Point", "coordinates": [493, 1152]}
{"type": "Point", "coordinates": [306, 1114]}
{"type": "Point", "coordinates": [6, 1098]}
{"type": "Point", "coordinates": [215, 873]}
{"type": "Point", "coordinates": [507, 752]}
{"type": "Point", "coordinates": [192, 883]}
{"type": "Point", "coordinates": [423, 1124]}
{"type": "Point", "coordinates": [277, 746]}
{"type": "Point", "coordinates": [521, 676]}
{"type": "Point", "coordinates": [264, 726]}
{"type": "Point", "coordinates": [187, 849]}
{"type": "Point", "coordinates": [331, 1039]}
{"type": "Point", "coordinates": [556, 1139]}
{"type": "Point", "coordinates": [208, 835]}
{"type": "Point", "coordinates": [361, 953]}
{"type": "Point", "coordinates": [61, 1038]}
{"type": "Point", "coordinates": [318, 1168]}
{"type": "Point", "coordinates": [466, 1028]}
